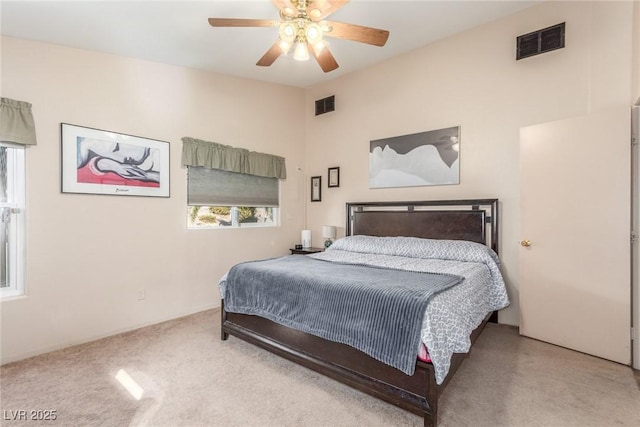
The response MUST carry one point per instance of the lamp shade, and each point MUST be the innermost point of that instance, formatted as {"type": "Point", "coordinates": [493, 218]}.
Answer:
{"type": "Point", "coordinates": [328, 231]}
{"type": "Point", "coordinates": [301, 53]}
{"type": "Point", "coordinates": [305, 238]}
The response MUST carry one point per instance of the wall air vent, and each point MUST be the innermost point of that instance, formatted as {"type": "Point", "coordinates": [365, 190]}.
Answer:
{"type": "Point", "coordinates": [540, 41]}
{"type": "Point", "coordinates": [325, 105]}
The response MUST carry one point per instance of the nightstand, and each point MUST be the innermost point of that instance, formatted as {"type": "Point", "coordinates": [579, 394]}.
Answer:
{"type": "Point", "coordinates": [306, 251]}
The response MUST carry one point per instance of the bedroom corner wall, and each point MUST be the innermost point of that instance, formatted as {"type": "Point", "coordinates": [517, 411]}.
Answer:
{"type": "Point", "coordinates": [471, 80]}
{"type": "Point", "coordinates": [88, 255]}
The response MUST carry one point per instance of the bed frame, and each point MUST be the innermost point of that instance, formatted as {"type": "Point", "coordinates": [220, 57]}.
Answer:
{"type": "Point", "coordinates": [475, 220]}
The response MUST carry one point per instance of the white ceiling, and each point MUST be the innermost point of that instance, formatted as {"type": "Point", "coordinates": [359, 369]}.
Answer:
{"type": "Point", "coordinates": [177, 32]}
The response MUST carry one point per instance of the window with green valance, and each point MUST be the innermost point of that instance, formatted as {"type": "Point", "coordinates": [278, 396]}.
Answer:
{"type": "Point", "coordinates": [231, 187]}
{"type": "Point", "coordinates": [16, 122]}
{"type": "Point", "coordinates": [17, 131]}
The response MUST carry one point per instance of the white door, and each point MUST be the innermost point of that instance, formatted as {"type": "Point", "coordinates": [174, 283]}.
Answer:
{"type": "Point", "coordinates": [575, 217]}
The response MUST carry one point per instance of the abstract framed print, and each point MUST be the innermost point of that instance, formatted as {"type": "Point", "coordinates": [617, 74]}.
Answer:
{"type": "Point", "coordinates": [425, 158]}
{"type": "Point", "coordinates": [97, 161]}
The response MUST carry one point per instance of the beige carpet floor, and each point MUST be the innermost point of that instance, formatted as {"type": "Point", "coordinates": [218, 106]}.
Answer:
{"type": "Point", "coordinates": [191, 378]}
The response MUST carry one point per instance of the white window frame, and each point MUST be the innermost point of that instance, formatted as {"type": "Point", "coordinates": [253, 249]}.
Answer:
{"type": "Point", "coordinates": [15, 207]}
{"type": "Point", "coordinates": [234, 221]}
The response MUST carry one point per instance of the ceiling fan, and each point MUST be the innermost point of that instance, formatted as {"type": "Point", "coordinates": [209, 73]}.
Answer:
{"type": "Point", "coordinates": [302, 27]}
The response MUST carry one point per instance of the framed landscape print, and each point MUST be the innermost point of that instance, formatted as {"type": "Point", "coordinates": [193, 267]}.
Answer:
{"type": "Point", "coordinates": [97, 161]}
{"type": "Point", "coordinates": [426, 158]}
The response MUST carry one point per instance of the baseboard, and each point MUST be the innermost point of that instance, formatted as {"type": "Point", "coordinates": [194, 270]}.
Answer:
{"type": "Point", "coordinates": [89, 339]}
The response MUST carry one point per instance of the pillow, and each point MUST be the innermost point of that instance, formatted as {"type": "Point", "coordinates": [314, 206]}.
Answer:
{"type": "Point", "coordinates": [414, 247]}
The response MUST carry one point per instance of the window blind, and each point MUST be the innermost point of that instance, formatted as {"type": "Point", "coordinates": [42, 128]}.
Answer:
{"type": "Point", "coordinates": [214, 187]}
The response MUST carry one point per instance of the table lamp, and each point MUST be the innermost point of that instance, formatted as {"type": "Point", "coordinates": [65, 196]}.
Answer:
{"type": "Point", "coordinates": [329, 234]}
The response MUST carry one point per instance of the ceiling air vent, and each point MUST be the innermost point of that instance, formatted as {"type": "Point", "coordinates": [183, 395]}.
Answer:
{"type": "Point", "coordinates": [540, 41]}
{"type": "Point", "coordinates": [325, 105]}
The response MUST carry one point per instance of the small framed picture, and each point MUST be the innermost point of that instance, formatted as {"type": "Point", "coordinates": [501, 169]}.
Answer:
{"type": "Point", "coordinates": [316, 188]}
{"type": "Point", "coordinates": [334, 177]}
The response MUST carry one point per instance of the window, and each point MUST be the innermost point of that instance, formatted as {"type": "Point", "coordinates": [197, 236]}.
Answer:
{"type": "Point", "coordinates": [12, 199]}
{"type": "Point", "coordinates": [222, 199]}
{"type": "Point", "coordinates": [231, 187]}
{"type": "Point", "coordinates": [231, 216]}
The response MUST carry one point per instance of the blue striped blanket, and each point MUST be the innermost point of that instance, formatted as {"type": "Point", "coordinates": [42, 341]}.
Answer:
{"type": "Point", "coordinates": [377, 310]}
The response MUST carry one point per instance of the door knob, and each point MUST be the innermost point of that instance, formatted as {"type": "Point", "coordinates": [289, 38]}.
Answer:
{"type": "Point", "coordinates": [525, 243]}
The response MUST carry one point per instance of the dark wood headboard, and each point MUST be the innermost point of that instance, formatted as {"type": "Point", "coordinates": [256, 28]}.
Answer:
{"type": "Point", "coordinates": [475, 220]}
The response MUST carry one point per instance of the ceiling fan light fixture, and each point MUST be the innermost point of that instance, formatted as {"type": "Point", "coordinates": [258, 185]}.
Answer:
{"type": "Point", "coordinates": [318, 46]}
{"type": "Point", "coordinates": [316, 9]}
{"type": "Point", "coordinates": [287, 32]}
{"type": "Point", "coordinates": [285, 46]}
{"type": "Point", "coordinates": [313, 32]}
{"type": "Point", "coordinates": [301, 52]}
{"type": "Point", "coordinates": [289, 11]}
{"type": "Point", "coordinates": [314, 13]}
{"type": "Point", "coordinates": [325, 26]}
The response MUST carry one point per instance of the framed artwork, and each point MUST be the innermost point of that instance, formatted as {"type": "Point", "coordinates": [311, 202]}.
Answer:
{"type": "Point", "coordinates": [426, 158]}
{"type": "Point", "coordinates": [316, 188]}
{"type": "Point", "coordinates": [334, 177]}
{"type": "Point", "coordinates": [97, 161]}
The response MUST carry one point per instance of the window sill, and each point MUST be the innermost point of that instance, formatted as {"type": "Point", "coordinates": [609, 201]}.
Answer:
{"type": "Point", "coordinates": [16, 297]}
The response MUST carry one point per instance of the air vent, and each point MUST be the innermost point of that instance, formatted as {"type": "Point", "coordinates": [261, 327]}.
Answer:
{"type": "Point", "coordinates": [325, 105]}
{"type": "Point", "coordinates": [540, 41]}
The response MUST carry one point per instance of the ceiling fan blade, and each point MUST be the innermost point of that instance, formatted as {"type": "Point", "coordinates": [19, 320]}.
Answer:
{"type": "Point", "coordinates": [286, 7]}
{"type": "Point", "coordinates": [320, 9]}
{"type": "Point", "coordinates": [270, 56]}
{"type": "Point", "coordinates": [325, 59]}
{"type": "Point", "coordinates": [233, 22]}
{"type": "Point", "coordinates": [357, 33]}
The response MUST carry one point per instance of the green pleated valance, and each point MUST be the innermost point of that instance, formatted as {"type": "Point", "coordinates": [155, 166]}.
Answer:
{"type": "Point", "coordinates": [196, 152]}
{"type": "Point", "coordinates": [16, 122]}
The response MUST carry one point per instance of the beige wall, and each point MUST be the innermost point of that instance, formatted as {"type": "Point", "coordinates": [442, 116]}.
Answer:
{"type": "Point", "coordinates": [87, 255]}
{"type": "Point", "coordinates": [472, 80]}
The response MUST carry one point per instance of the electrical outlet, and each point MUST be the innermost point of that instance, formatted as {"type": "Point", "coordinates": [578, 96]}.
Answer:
{"type": "Point", "coordinates": [140, 294]}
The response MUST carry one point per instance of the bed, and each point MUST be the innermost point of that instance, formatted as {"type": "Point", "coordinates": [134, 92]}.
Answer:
{"type": "Point", "coordinates": [457, 220]}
